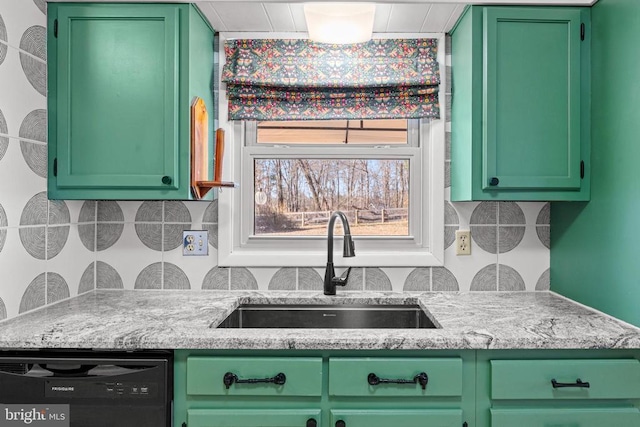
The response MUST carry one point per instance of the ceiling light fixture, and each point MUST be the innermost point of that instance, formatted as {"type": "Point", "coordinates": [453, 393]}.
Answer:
{"type": "Point", "coordinates": [339, 23]}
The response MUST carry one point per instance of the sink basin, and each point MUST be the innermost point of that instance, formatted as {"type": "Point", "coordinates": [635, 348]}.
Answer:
{"type": "Point", "coordinates": [328, 316]}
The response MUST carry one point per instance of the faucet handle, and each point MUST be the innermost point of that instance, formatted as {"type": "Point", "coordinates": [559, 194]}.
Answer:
{"type": "Point", "coordinates": [342, 280]}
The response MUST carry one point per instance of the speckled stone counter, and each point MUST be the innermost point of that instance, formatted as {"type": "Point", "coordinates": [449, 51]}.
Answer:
{"type": "Point", "coordinates": [119, 319]}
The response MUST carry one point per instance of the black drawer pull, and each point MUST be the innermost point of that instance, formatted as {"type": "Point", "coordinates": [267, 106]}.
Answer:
{"type": "Point", "coordinates": [311, 422]}
{"type": "Point", "coordinates": [166, 180]}
{"type": "Point", "coordinates": [421, 379]}
{"type": "Point", "coordinates": [341, 423]}
{"type": "Point", "coordinates": [494, 181]}
{"type": "Point", "coordinates": [578, 384]}
{"type": "Point", "coordinates": [230, 378]}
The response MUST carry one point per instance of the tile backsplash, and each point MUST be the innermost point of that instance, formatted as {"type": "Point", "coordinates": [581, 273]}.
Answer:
{"type": "Point", "coordinates": [51, 250]}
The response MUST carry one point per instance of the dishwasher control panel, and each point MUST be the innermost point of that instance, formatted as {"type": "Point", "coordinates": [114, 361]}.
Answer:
{"type": "Point", "coordinates": [71, 389]}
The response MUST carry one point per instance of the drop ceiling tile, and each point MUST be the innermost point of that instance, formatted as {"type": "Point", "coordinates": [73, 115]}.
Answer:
{"type": "Point", "coordinates": [297, 12]}
{"type": "Point", "coordinates": [381, 19]}
{"type": "Point", "coordinates": [437, 18]}
{"type": "Point", "coordinates": [212, 16]}
{"type": "Point", "coordinates": [407, 18]}
{"type": "Point", "coordinates": [453, 19]}
{"type": "Point", "coordinates": [280, 16]}
{"type": "Point", "coordinates": [243, 16]}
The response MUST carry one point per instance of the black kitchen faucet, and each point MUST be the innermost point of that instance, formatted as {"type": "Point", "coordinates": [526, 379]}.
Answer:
{"type": "Point", "coordinates": [330, 279]}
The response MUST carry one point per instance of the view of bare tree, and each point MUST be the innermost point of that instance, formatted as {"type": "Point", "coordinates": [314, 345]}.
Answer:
{"type": "Point", "coordinates": [370, 189]}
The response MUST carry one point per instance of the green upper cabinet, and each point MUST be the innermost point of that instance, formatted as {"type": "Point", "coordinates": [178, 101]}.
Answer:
{"type": "Point", "coordinates": [520, 104]}
{"type": "Point", "coordinates": [121, 80]}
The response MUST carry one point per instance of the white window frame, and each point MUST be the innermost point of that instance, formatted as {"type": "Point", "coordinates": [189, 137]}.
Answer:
{"type": "Point", "coordinates": [237, 247]}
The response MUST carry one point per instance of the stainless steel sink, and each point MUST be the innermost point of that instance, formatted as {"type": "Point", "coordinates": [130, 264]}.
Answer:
{"type": "Point", "coordinates": [328, 316]}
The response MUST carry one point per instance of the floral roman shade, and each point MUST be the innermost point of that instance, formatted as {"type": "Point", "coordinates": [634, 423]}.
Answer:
{"type": "Point", "coordinates": [302, 80]}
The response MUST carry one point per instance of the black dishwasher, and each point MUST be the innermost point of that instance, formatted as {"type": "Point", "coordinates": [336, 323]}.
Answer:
{"type": "Point", "coordinates": [86, 388]}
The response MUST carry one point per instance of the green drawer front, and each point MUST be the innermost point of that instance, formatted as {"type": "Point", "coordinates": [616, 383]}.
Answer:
{"type": "Point", "coordinates": [303, 376]}
{"type": "Point", "coordinates": [251, 417]}
{"type": "Point", "coordinates": [586, 417]}
{"type": "Point", "coordinates": [531, 379]}
{"type": "Point", "coordinates": [349, 376]}
{"type": "Point", "coordinates": [396, 417]}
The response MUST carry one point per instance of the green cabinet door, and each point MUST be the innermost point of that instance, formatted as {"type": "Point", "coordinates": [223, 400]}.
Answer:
{"type": "Point", "coordinates": [398, 417]}
{"type": "Point", "coordinates": [531, 99]}
{"type": "Point", "coordinates": [119, 96]}
{"type": "Point", "coordinates": [253, 418]}
{"type": "Point", "coordinates": [520, 108]}
{"type": "Point", "coordinates": [577, 417]}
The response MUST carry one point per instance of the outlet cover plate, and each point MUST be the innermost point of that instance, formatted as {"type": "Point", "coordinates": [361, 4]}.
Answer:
{"type": "Point", "coordinates": [463, 242]}
{"type": "Point", "coordinates": [195, 243]}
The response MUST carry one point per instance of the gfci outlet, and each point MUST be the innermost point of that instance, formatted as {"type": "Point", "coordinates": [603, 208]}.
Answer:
{"type": "Point", "coordinates": [195, 242]}
{"type": "Point", "coordinates": [463, 242]}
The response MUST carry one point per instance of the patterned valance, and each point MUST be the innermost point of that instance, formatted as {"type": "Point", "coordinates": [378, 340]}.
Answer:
{"type": "Point", "coordinates": [302, 80]}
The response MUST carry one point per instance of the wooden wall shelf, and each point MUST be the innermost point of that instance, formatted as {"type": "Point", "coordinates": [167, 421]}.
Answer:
{"type": "Point", "coordinates": [200, 185]}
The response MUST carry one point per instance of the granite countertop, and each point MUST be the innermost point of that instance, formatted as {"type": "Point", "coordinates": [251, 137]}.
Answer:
{"type": "Point", "coordinates": [117, 319]}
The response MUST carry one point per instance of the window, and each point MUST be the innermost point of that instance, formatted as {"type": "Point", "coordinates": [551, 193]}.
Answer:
{"type": "Point", "coordinates": [294, 196]}
{"type": "Point", "coordinates": [386, 175]}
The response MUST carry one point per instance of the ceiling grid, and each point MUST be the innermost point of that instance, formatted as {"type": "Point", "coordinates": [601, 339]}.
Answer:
{"type": "Point", "coordinates": [406, 16]}
{"type": "Point", "coordinates": [289, 17]}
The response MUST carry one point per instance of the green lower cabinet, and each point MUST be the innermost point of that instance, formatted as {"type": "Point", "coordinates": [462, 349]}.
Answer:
{"type": "Point", "coordinates": [399, 417]}
{"type": "Point", "coordinates": [571, 388]}
{"type": "Point", "coordinates": [459, 388]}
{"type": "Point", "coordinates": [324, 389]}
{"type": "Point", "coordinates": [579, 417]}
{"type": "Point", "coordinates": [254, 418]}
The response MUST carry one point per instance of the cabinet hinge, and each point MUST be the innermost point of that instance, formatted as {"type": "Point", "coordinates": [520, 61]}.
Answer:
{"type": "Point", "coordinates": [582, 169]}
{"type": "Point", "coordinates": [55, 28]}
{"type": "Point", "coordinates": [582, 31]}
{"type": "Point", "coordinates": [55, 167]}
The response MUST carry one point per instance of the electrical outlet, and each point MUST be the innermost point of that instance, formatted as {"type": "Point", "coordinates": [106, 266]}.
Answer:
{"type": "Point", "coordinates": [195, 242]}
{"type": "Point", "coordinates": [463, 242]}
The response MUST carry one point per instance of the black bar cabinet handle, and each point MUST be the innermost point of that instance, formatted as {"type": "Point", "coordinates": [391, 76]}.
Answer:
{"type": "Point", "coordinates": [422, 378]}
{"type": "Point", "coordinates": [311, 422]}
{"type": "Point", "coordinates": [578, 384]}
{"type": "Point", "coordinates": [230, 378]}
